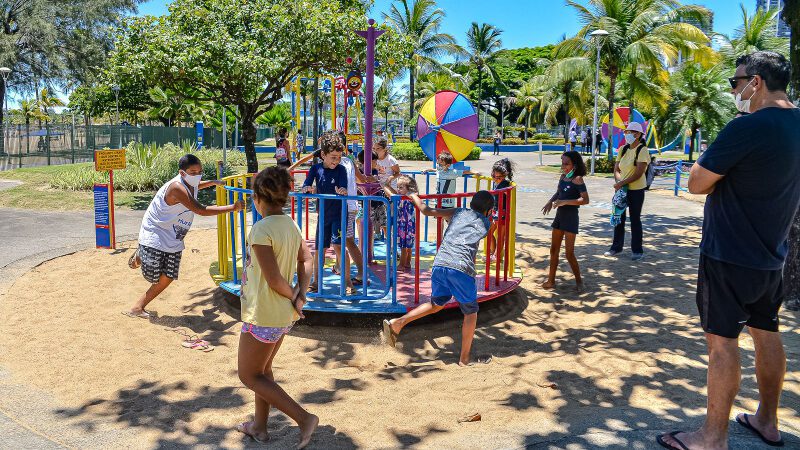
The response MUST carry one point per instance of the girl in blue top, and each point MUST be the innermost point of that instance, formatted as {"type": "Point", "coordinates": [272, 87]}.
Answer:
{"type": "Point", "coordinates": [570, 195]}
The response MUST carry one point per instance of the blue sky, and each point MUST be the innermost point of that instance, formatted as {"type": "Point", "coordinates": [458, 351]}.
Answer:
{"type": "Point", "coordinates": [525, 23]}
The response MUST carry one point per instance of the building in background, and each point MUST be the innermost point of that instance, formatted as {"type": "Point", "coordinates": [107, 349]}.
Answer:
{"type": "Point", "coordinates": [783, 29]}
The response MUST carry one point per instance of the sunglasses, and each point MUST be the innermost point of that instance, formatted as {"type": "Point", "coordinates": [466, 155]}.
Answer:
{"type": "Point", "coordinates": [734, 81]}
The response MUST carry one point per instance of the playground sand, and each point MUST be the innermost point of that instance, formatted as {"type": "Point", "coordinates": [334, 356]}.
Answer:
{"type": "Point", "coordinates": [627, 355]}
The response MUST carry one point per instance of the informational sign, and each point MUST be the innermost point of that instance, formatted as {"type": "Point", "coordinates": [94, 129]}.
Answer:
{"type": "Point", "coordinates": [198, 127]}
{"type": "Point", "coordinates": [109, 159]}
{"type": "Point", "coordinates": [103, 216]}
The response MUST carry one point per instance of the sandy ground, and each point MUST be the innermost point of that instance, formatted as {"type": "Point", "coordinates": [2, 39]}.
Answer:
{"type": "Point", "coordinates": [562, 364]}
{"type": "Point", "coordinates": [609, 368]}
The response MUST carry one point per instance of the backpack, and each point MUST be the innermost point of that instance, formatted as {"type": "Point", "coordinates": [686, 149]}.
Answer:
{"type": "Point", "coordinates": [649, 173]}
{"type": "Point", "coordinates": [280, 152]}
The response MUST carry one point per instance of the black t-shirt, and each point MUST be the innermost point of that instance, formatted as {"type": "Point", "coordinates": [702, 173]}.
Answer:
{"type": "Point", "coordinates": [567, 190]}
{"type": "Point", "coordinates": [749, 214]}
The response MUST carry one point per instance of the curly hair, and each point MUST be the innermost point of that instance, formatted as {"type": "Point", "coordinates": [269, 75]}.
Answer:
{"type": "Point", "coordinates": [506, 167]}
{"type": "Point", "coordinates": [272, 186]}
{"type": "Point", "coordinates": [330, 142]}
{"type": "Point", "coordinates": [577, 162]}
{"type": "Point", "coordinates": [408, 181]}
{"type": "Point", "coordinates": [446, 158]}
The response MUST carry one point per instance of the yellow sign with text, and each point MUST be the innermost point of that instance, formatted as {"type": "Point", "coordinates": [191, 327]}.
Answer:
{"type": "Point", "coordinates": [109, 159]}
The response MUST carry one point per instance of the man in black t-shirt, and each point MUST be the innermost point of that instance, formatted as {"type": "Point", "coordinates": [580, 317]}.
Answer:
{"type": "Point", "coordinates": [750, 175]}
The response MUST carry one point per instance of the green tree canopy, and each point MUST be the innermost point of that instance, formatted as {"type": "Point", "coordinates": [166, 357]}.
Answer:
{"type": "Point", "coordinates": [244, 53]}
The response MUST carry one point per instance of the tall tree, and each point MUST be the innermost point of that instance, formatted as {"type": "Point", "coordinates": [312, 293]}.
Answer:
{"type": "Point", "coordinates": [757, 32]}
{"type": "Point", "coordinates": [642, 34]}
{"type": "Point", "coordinates": [386, 101]}
{"type": "Point", "coordinates": [483, 41]}
{"type": "Point", "coordinates": [47, 102]}
{"type": "Point", "coordinates": [791, 14]}
{"type": "Point", "coordinates": [419, 21]}
{"type": "Point", "coordinates": [244, 53]}
{"type": "Point", "coordinates": [29, 109]}
{"type": "Point", "coordinates": [530, 98]}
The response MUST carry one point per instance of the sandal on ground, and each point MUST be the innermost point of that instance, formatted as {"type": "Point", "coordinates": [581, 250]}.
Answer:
{"type": "Point", "coordinates": [313, 288]}
{"type": "Point", "coordinates": [663, 443]}
{"type": "Point", "coordinates": [359, 281]}
{"type": "Point", "coordinates": [141, 315]}
{"type": "Point", "coordinates": [134, 262]}
{"type": "Point", "coordinates": [246, 428]}
{"type": "Point", "coordinates": [198, 344]}
{"type": "Point", "coordinates": [390, 335]}
{"type": "Point", "coordinates": [745, 422]}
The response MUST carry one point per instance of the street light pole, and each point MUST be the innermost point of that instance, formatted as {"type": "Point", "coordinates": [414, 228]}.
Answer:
{"type": "Point", "coordinates": [597, 35]}
{"type": "Point", "coordinates": [115, 88]}
{"type": "Point", "coordinates": [502, 117]}
{"type": "Point", "coordinates": [4, 72]}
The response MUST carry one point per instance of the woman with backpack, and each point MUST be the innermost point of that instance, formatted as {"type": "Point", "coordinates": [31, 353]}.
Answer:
{"type": "Point", "coordinates": [282, 149]}
{"type": "Point", "coordinates": [629, 173]}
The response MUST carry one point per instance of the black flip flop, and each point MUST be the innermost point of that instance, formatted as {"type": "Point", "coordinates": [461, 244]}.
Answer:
{"type": "Point", "coordinates": [661, 442]}
{"type": "Point", "coordinates": [746, 423]}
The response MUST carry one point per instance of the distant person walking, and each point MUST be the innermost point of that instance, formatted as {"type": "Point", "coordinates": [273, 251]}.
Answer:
{"type": "Point", "coordinates": [498, 139]}
{"type": "Point", "coordinates": [750, 175]}
{"type": "Point", "coordinates": [573, 139]}
{"type": "Point", "coordinates": [629, 171]}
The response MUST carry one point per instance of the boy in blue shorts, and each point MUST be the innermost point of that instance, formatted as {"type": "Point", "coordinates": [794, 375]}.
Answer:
{"type": "Point", "coordinates": [330, 178]}
{"type": "Point", "coordinates": [453, 272]}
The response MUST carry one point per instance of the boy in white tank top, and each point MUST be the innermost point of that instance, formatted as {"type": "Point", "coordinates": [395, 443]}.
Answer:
{"type": "Point", "coordinates": [166, 222]}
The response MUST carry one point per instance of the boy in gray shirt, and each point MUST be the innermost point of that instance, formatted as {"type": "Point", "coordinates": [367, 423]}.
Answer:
{"type": "Point", "coordinates": [453, 273]}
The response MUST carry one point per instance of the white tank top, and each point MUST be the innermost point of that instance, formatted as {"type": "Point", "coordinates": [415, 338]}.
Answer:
{"type": "Point", "coordinates": [164, 226]}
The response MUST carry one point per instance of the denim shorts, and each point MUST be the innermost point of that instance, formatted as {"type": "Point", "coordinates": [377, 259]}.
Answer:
{"type": "Point", "coordinates": [267, 335]}
{"type": "Point", "coordinates": [447, 283]}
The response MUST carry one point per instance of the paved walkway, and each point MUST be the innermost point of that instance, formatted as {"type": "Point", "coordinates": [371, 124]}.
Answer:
{"type": "Point", "coordinates": [28, 238]}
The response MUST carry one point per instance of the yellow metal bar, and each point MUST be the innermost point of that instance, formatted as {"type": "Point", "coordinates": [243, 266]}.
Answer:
{"type": "Point", "coordinates": [512, 232]}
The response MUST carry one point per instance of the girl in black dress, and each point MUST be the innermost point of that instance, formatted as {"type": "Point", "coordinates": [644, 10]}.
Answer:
{"type": "Point", "coordinates": [570, 195]}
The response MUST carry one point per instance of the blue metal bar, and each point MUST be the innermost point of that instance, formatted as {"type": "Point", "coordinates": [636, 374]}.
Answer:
{"type": "Point", "coordinates": [320, 240]}
{"type": "Point", "coordinates": [427, 192]}
{"type": "Point", "coordinates": [233, 239]}
{"type": "Point", "coordinates": [242, 225]}
{"type": "Point", "coordinates": [391, 250]}
{"type": "Point", "coordinates": [343, 247]}
{"type": "Point", "coordinates": [239, 190]}
{"type": "Point", "coordinates": [364, 245]}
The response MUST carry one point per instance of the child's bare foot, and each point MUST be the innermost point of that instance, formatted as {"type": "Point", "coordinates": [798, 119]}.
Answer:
{"type": "Point", "coordinates": [464, 363]}
{"type": "Point", "coordinates": [549, 284]}
{"type": "Point", "coordinates": [248, 428]}
{"type": "Point", "coordinates": [580, 287]}
{"type": "Point", "coordinates": [307, 429]}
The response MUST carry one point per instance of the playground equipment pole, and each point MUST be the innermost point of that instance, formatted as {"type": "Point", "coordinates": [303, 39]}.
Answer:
{"type": "Point", "coordinates": [598, 37]}
{"type": "Point", "coordinates": [371, 35]}
{"type": "Point", "coordinates": [115, 88]}
{"type": "Point", "coordinates": [224, 137]}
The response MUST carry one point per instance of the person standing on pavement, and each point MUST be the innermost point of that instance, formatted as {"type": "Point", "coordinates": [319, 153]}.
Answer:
{"type": "Point", "coordinates": [750, 175]}
{"type": "Point", "coordinates": [498, 139]}
{"type": "Point", "coordinates": [166, 222]}
{"type": "Point", "coordinates": [629, 172]}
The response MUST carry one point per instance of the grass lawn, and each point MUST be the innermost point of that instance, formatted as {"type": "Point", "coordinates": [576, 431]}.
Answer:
{"type": "Point", "coordinates": [35, 192]}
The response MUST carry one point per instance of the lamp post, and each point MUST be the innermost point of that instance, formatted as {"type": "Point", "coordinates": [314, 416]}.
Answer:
{"type": "Point", "coordinates": [502, 117]}
{"type": "Point", "coordinates": [4, 72]}
{"type": "Point", "coordinates": [115, 88]}
{"type": "Point", "coordinates": [597, 37]}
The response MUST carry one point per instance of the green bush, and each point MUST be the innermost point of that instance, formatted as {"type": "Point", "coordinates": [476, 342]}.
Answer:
{"type": "Point", "coordinates": [148, 168]}
{"type": "Point", "coordinates": [411, 151]}
{"type": "Point", "coordinates": [520, 141]}
{"type": "Point", "coordinates": [601, 164]}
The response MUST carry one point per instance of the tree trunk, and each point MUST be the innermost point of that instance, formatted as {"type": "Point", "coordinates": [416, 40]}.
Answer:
{"type": "Point", "coordinates": [480, 87]}
{"type": "Point", "coordinates": [411, 99]}
{"type": "Point", "coordinates": [611, 88]}
{"type": "Point", "coordinates": [248, 125]}
{"type": "Point", "coordinates": [692, 139]}
{"type": "Point", "coordinates": [566, 115]}
{"type": "Point", "coordinates": [315, 123]}
{"type": "Point", "coordinates": [305, 116]}
{"type": "Point", "coordinates": [27, 134]}
{"type": "Point", "coordinates": [791, 272]}
{"type": "Point", "coordinates": [527, 125]}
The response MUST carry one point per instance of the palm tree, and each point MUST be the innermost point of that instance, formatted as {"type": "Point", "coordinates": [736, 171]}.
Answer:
{"type": "Point", "coordinates": [168, 106]}
{"type": "Point", "coordinates": [700, 97]}
{"type": "Point", "coordinates": [643, 35]}
{"type": "Point", "coordinates": [433, 82]}
{"type": "Point", "coordinates": [419, 21]}
{"type": "Point", "coordinates": [757, 32]}
{"type": "Point", "coordinates": [46, 103]}
{"type": "Point", "coordinates": [386, 101]}
{"type": "Point", "coordinates": [530, 97]}
{"type": "Point", "coordinates": [29, 109]}
{"type": "Point", "coordinates": [483, 41]}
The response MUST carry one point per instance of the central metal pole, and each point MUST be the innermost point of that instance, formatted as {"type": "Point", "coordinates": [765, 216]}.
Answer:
{"type": "Point", "coordinates": [371, 35]}
{"type": "Point", "coordinates": [594, 120]}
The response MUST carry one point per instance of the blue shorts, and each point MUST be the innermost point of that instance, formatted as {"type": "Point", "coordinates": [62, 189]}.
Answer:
{"type": "Point", "coordinates": [331, 230]}
{"type": "Point", "coordinates": [447, 283]}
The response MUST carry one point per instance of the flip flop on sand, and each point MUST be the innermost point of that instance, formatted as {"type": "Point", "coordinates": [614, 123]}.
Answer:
{"type": "Point", "coordinates": [135, 261]}
{"type": "Point", "coordinates": [247, 428]}
{"type": "Point", "coordinates": [663, 443]}
{"type": "Point", "coordinates": [742, 419]}
{"type": "Point", "coordinates": [198, 344]}
{"type": "Point", "coordinates": [141, 315]}
{"type": "Point", "coordinates": [391, 336]}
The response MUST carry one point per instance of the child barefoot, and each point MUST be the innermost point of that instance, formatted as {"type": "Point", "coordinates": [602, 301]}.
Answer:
{"type": "Point", "coordinates": [453, 268]}
{"type": "Point", "coordinates": [270, 304]}
{"type": "Point", "coordinates": [570, 195]}
{"type": "Point", "coordinates": [406, 219]}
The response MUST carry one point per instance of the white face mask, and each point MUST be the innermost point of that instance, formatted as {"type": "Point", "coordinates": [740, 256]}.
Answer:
{"type": "Point", "coordinates": [630, 138]}
{"type": "Point", "coordinates": [192, 180]}
{"type": "Point", "coordinates": [744, 105]}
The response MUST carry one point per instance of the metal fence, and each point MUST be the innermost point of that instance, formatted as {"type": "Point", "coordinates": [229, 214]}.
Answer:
{"type": "Point", "coordinates": [64, 143]}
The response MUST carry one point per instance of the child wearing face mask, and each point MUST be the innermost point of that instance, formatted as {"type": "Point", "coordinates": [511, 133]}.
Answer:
{"type": "Point", "coordinates": [166, 222]}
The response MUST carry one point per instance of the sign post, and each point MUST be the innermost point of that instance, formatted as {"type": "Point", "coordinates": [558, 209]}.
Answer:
{"type": "Point", "coordinates": [198, 129]}
{"type": "Point", "coordinates": [104, 224]}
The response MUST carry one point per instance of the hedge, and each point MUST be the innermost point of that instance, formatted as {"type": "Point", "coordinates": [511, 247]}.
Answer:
{"type": "Point", "coordinates": [411, 151]}
{"type": "Point", "coordinates": [601, 164]}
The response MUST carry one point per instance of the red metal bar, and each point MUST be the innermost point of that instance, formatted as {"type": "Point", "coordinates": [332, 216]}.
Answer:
{"type": "Point", "coordinates": [416, 256]}
{"type": "Point", "coordinates": [293, 206]}
{"type": "Point", "coordinates": [507, 252]}
{"type": "Point", "coordinates": [438, 225]}
{"type": "Point", "coordinates": [306, 199]}
{"type": "Point", "coordinates": [111, 219]}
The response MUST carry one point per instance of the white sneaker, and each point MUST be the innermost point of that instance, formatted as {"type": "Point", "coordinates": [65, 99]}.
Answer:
{"type": "Point", "coordinates": [637, 256]}
{"type": "Point", "coordinates": [611, 253]}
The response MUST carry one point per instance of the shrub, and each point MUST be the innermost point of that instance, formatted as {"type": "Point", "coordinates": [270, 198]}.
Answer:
{"type": "Point", "coordinates": [601, 164]}
{"type": "Point", "coordinates": [411, 151]}
{"type": "Point", "coordinates": [148, 169]}
{"type": "Point", "coordinates": [402, 139]}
